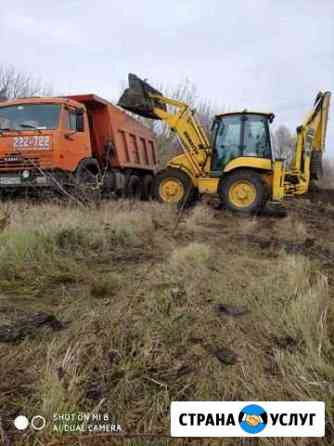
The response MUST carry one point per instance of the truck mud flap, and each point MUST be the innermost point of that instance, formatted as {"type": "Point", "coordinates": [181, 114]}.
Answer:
{"type": "Point", "coordinates": [137, 98]}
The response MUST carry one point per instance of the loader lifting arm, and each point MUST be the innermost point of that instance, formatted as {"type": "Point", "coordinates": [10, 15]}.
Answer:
{"type": "Point", "coordinates": [310, 145]}
{"type": "Point", "coordinates": [142, 99]}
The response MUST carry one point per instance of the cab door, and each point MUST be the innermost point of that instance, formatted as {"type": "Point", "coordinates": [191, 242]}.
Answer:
{"type": "Point", "coordinates": [227, 142]}
{"type": "Point", "coordinates": [75, 144]}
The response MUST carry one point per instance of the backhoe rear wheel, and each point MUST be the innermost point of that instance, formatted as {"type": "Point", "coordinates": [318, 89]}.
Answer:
{"type": "Point", "coordinates": [243, 191]}
{"type": "Point", "coordinates": [175, 187]}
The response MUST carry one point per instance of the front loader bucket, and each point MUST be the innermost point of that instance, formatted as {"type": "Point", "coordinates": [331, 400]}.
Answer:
{"type": "Point", "coordinates": [137, 98]}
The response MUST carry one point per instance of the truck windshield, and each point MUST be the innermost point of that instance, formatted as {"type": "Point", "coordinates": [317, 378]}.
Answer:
{"type": "Point", "coordinates": [29, 116]}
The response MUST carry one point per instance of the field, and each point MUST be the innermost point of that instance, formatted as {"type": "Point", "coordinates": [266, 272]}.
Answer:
{"type": "Point", "coordinates": [138, 306]}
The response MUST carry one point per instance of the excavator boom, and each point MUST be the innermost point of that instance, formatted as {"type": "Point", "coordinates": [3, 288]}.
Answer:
{"type": "Point", "coordinates": [310, 143]}
{"type": "Point", "coordinates": [320, 119]}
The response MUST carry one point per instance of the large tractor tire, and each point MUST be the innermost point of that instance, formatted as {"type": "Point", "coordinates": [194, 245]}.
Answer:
{"type": "Point", "coordinates": [243, 191]}
{"type": "Point", "coordinates": [175, 187]}
{"type": "Point", "coordinates": [134, 188]}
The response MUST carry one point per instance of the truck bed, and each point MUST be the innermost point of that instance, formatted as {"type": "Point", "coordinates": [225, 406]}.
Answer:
{"type": "Point", "coordinates": [133, 144]}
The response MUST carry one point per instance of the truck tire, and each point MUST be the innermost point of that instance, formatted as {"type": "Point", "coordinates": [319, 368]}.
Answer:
{"type": "Point", "coordinates": [134, 188]}
{"type": "Point", "coordinates": [87, 177]}
{"type": "Point", "coordinates": [175, 187]}
{"type": "Point", "coordinates": [243, 191]}
{"type": "Point", "coordinates": [109, 184]}
{"type": "Point", "coordinates": [148, 187]}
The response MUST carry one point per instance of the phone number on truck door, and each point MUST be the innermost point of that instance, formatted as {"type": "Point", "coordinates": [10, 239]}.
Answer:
{"type": "Point", "coordinates": [29, 142]}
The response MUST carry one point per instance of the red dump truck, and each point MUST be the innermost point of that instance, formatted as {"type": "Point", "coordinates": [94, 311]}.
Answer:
{"type": "Point", "coordinates": [53, 141]}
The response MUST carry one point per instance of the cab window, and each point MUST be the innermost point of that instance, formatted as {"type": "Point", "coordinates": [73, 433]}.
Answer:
{"type": "Point", "coordinates": [73, 121]}
{"type": "Point", "coordinates": [256, 137]}
{"type": "Point", "coordinates": [227, 141]}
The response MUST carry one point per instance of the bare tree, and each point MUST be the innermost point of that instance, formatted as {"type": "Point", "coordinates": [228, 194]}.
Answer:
{"type": "Point", "coordinates": [186, 92]}
{"type": "Point", "coordinates": [16, 84]}
{"type": "Point", "coordinates": [284, 143]}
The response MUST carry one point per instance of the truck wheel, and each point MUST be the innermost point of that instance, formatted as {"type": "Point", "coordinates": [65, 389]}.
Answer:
{"type": "Point", "coordinates": [174, 186]}
{"type": "Point", "coordinates": [243, 191]}
{"type": "Point", "coordinates": [134, 189]}
{"type": "Point", "coordinates": [88, 187]}
{"type": "Point", "coordinates": [148, 187]}
{"type": "Point", "coordinates": [109, 184]}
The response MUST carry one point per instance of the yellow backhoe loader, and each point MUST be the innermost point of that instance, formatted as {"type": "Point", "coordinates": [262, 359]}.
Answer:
{"type": "Point", "coordinates": [237, 162]}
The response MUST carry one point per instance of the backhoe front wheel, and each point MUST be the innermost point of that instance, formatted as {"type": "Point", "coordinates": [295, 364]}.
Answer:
{"type": "Point", "coordinates": [175, 187]}
{"type": "Point", "coordinates": [243, 191]}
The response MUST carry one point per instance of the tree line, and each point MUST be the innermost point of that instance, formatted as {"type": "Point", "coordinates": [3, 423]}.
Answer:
{"type": "Point", "coordinates": [18, 84]}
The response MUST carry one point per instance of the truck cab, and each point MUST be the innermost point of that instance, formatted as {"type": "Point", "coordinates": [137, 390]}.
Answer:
{"type": "Point", "coordinates": [38, 134]}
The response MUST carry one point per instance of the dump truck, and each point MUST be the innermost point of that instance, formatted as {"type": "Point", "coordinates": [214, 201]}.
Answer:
{"type": "Point", "coordinates": [75, 141]}
{"type": "Point", "coordinates": [236, 162]}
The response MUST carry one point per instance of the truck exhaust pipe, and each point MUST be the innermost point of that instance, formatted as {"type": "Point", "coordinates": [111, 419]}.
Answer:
{"type": "Point", "coordinates": [137, 98]}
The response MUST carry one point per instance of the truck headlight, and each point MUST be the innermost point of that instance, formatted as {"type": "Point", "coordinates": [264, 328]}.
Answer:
{"type": "Point", "coordinates": [25, 174]}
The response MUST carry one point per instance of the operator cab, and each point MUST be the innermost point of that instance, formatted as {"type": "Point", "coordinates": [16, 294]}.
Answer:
{"type": "Point", "coordinates": [243, 134]}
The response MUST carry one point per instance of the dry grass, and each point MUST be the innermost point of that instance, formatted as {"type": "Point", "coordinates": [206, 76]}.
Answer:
{"type": "Point", "coordinates": [291, 228]}
{"type": "Point", "coordinates": [198, 217]}
{"type": "Point", "coordinates": [138, 302]}
{"type": "Point", "coordinates": [248, 226]}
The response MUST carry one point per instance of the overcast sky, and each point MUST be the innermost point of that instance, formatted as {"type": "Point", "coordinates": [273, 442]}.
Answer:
{"type": "Point", "coordinates": [270, 55]}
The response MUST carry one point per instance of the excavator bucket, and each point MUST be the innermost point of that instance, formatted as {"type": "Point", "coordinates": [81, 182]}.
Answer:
{"type": "Point", "coordinates": [137, 98]}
